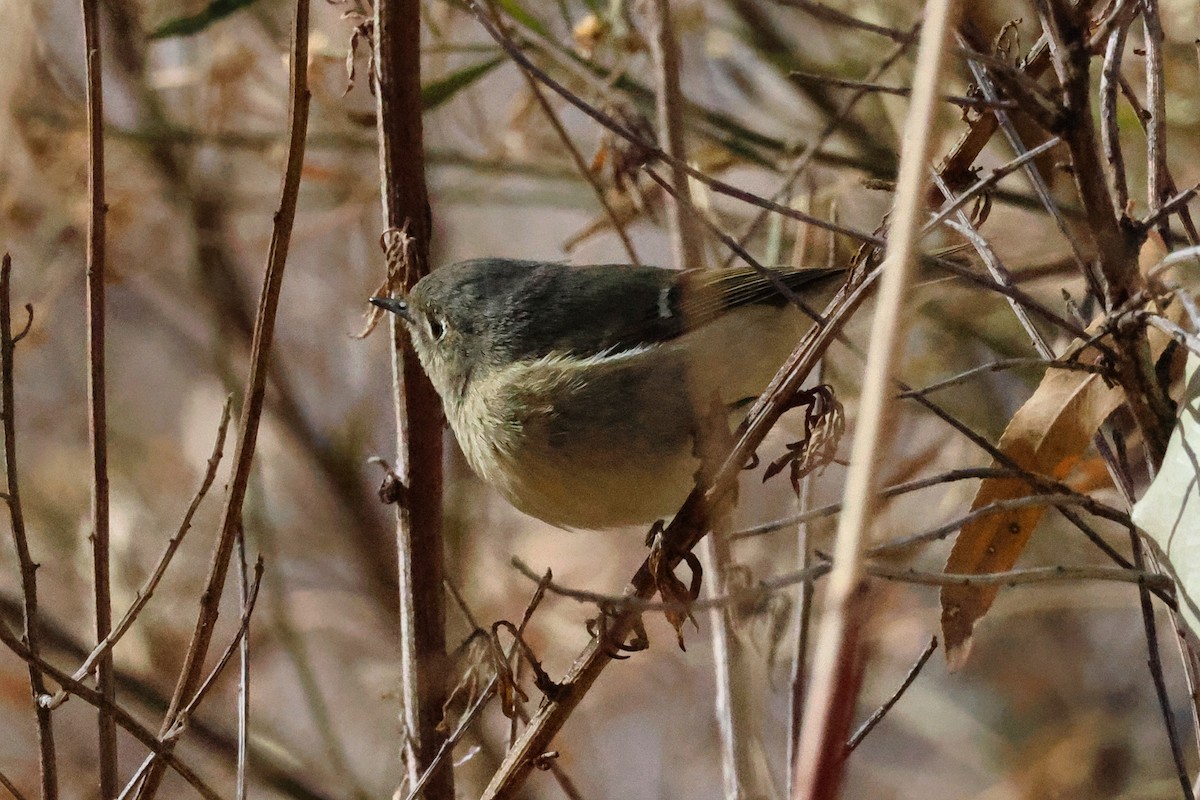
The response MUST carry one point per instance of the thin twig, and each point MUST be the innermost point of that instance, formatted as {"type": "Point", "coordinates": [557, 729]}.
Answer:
{"type": "Point", "coordinates": [96, 390]}
{"type": "Point", "coordinates": [836, 659]}
{"type": "Point", "coordinates": [253, 400]}
{"type": "Point", "coordinates": [1172, 205]}
{"type": "Point", "coordinates": [1003, 364]}
{"type": "Point", "coordinates": [183, 722]}
{"type": "Point", "coordinates": [814, 147]}
{"type": "Point", "coordinates": [824, 12]}
{"type": "Point", "coordinates": [122, 717]}
{"type": "Point", "coordinates": [802, 616]}
{"type": "Point", "coordinates": [664, 49]}
{"type": "Point", "coordinates": [896, 91]}
{"type": "Point", "coordinates": [1141, 115]}
{"type": "Point", "coordinates": [884, 570]}
{"type": "Point", "coordinates": [1110, 129]}
{"type": "Point", "coordinates": [248, 596]}
{"type": "Point", "coordinates": [489, 691]}
{"type": "Point", "coordinates": [1058, 501]}
{"type": "Point", "coordinates": [47, 758]}
{"type": "Point", "coordinates": [10, 787]}
{"type": "Point", "coordinates": [983, 184]}
{"type": "Point", "coordinates": [147, 590]}
{"type": "Point", "coordinates": [868, 726]}
{"type": "Point", "coordinates": [581, 165]}
{"type": "Point", "coordinates": [1005, 123]}
{"type": "Point", "coordinates": [1154, 662]}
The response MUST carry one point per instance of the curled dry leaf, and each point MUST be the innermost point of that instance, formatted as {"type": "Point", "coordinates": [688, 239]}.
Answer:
{"type": "Point", "coordinates": [1046, 436]}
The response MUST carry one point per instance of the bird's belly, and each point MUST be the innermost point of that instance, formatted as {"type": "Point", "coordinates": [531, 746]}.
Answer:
{"type": "Point", "coordinates": [593, 486]}
{"type": "Point", "coordinates": [608, 441]}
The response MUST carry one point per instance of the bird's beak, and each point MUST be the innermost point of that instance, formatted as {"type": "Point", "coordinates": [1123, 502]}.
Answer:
{"type": "Point", "coordinates": [395, 305]}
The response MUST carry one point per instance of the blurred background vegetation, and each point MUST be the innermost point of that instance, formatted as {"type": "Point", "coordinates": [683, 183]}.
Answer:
{"type": "Point", "coordinates": [1056, 700]}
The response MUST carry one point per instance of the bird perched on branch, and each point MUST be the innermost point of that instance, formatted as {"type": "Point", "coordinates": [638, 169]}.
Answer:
{"type": "Point", "coordinates": [578, 391]}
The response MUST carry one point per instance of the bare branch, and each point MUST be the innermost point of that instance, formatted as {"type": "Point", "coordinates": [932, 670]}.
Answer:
{"type": "Point", "coordinates": [837, 659]}
{"type": "Point", "coordinates": [252, 405]}
{"type": "Point", "coordinates": [417, 407]}
{"type": "Point", "coordinates": [147, 590]}
{"type": "Point", "coordinates": [122, 717]}
{"type": "Point", "coordinates": [47, 758]}
{"type": "Point", "coordinates": [868, 726]}
{"type": "Point", "coordinates": [97, 413]}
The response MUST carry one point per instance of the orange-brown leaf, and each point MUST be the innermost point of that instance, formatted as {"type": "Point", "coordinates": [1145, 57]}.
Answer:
{"type": "Point", "coordinates": [1047, 435]}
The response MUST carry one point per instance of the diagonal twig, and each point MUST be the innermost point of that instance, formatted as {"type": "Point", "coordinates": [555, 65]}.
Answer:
{"type": "Point", "coordinates": [252, 404]}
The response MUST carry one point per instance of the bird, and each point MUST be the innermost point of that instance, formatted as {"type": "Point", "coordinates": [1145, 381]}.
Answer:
{"type": "Point", "coordinates": [578, 391]}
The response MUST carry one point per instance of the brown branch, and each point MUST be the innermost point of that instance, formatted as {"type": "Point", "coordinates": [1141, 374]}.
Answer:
{"type": "Point", "coordinates": [11, 787]}
{"type": "Point", "coordinates": [581, 165]}
{"type": "Point", "coordinates": [96, 392]}
{"type": "Point", "coordinates": [1117, 239]}
{"type": "Point", "coordinates": [956, 167]}
{"type": "Point", "coordinates": [824, 12]}
{"type": "Point", "coordinates": [840, 654]}
{"type": "Point", "coordinates": [813, 148]}
{"type": "Point", "coordinates": [686, 246]}
{"type": "Point", "coordinates": [1158, 181]}
{"type": "Point", "coordinates": [895, 91]}
{"type": "Point", "coordinates": [1110, 130]}
{"type": "Point", "coordinates": [122, 717]}
{"type": "Point", "coordinates": [856, 739]}
{"type": "Point", "coordinates": [418, 409]}
{"type": "Point", "coordinates": [47, 759]}
{"type": "Point", "coordinates": [147, 590]}
{"type": "Point", "coordinates": [252, 406]}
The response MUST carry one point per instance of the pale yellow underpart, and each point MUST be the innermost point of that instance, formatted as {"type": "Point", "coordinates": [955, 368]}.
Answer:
{"type": "Point", "coordinates": [608, 441]}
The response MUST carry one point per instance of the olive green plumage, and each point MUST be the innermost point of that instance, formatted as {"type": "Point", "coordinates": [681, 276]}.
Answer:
{"type": "Point", "coordinates": [577, 391]}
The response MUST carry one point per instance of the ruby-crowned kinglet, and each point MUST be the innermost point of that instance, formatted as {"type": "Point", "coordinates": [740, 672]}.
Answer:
{"type": "Point", "coordinates": [578, 391]}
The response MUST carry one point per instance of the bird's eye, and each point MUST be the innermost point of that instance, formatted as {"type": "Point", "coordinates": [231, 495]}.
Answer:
{"type": "Point", "coordinates": [436, 328]}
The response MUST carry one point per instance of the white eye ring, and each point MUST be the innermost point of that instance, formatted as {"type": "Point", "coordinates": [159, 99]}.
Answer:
{"type": "Point", "coordinates": [437, 329]}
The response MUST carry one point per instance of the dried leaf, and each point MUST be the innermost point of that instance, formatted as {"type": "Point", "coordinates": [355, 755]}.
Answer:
{"type": "Point", "coordinates": [1047, 435]}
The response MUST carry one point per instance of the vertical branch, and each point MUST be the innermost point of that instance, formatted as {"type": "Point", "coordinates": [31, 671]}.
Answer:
{"type": "Point", "coordinates": [734, 703]}
{"type": "Point", "coordinates": [1157, 178]}
{"type": "Point", "coordinates": [1110, 131]}
{"type": "Point", "coordinates": [419, 421]}
{"type": "Point", "coordinates": [733, 707]}
{"type": "Point", "coordinates": [668, 101]}
{"type": "Point", "coordinates": [192, 673]}
{"type": "Point", "coordinates": [1117, 240]}
{"type": "Point", "coordinates": [97, 413]}
{"type": "Point", "coordinates": [836, 664]}
{"type": "Point", "coordinates": [47, 759]}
